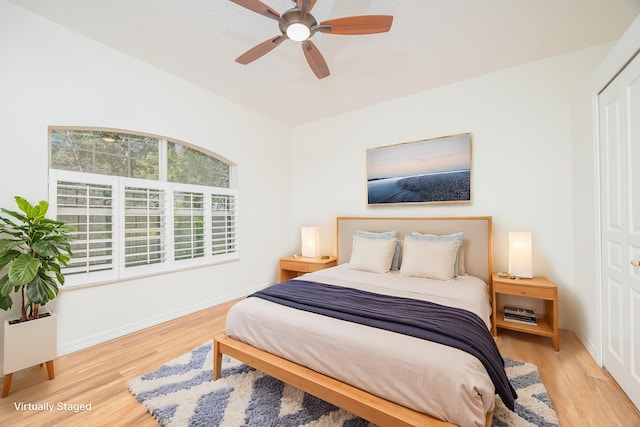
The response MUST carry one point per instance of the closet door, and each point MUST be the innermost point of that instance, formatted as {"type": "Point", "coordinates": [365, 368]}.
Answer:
{"type": "Point", "coordinates": [619, 121]}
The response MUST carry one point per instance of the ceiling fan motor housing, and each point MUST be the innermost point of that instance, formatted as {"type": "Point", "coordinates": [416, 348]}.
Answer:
{"type": "Point", "coordinates": [294, 16]}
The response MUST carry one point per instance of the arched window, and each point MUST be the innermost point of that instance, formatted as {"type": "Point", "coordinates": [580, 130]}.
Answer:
{"type": "Point", "coordinates": [141, 204]}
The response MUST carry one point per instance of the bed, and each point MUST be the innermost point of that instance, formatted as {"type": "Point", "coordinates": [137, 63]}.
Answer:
{"type": "Point", "coordinates": [331, 358]}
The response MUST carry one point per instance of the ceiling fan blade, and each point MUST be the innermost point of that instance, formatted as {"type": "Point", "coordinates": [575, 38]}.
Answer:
{"type": "Point", "coordinates": [258, 7]}
{"type": "Point", "coordinates": [314, 58]}
{"type": "Point", "coordinates": [260, 50]}
{"type": "Point", "coordinates": [306, 5]}
{"type": "Point", "coordinates": [354, 25]}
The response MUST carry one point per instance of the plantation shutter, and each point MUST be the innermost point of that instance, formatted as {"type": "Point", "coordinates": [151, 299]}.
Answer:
{"type": "Point", "coordinates": [145, 231]}
{"type": "Point", "coordinates": [223, 224]}
{"type": "Point", "coordinates": [87, 205]}
{"type": "Point", "coordinates": [188, 225]}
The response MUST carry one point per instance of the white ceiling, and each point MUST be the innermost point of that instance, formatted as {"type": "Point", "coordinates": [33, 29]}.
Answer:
{"type": "Point", "coordinates": [431, 43]}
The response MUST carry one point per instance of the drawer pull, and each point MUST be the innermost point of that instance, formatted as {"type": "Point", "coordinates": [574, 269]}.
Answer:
{"type": "Point", "coordinates": [635, 263]}
{"type": "Point", "coordinates": [521, 292]}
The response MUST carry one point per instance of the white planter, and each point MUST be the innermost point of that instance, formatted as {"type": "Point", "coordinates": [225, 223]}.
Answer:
{"type": "Point", "coordinates": [30, 343]}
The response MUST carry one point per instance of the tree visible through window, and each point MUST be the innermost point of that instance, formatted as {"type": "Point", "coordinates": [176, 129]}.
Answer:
{"type": "Point", "coordinates": [189, 166]}
{"type": "Point", "coordinates": [105, 153]}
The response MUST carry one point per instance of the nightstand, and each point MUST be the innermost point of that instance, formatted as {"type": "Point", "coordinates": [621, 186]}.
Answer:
{"type": "Point", "coordinates": [538, 288]}
{"type": "Point", "coordinates": [292, 267]}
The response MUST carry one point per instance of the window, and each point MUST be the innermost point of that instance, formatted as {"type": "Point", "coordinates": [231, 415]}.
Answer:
{"type": "Point", "coordinates": [144, 226]}
{"type": "Point", "coordinates": [106, 153]}
{"type": "Point", "coordinates": [189, 166]}
{"type": "Point", "coordinates": [129, 221]}
{"type": "Point", "coordinates": [223, 233]}
{"type": "Point", "coordinates": [88, 207]}
{"type": "Point", "coordinates": [188, 220]}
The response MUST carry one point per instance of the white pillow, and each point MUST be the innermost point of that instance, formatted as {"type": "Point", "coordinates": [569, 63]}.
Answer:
{"type": "Point", "coordinates": [374, 255]}
{"type": "Point", "coordinates": [395, 263]}
{"type": "Point", "coordinates": [429, 259]}
{"type": "Point", "coordinates": [459, 268]}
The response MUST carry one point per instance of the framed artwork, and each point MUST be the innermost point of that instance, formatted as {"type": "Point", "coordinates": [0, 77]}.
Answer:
{"type": "Point", "coordinates": [436, 170]}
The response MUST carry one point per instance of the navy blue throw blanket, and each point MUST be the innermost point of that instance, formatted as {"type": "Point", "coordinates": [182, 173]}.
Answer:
{"type": "Point", "coordinates": [450, 326]}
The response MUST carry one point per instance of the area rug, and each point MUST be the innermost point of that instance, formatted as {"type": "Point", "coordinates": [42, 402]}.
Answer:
{"type": "Point", "coordinates": [182, 393]}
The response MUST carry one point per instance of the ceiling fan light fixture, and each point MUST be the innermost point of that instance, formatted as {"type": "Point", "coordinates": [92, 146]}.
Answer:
{"type": "Point", "coordinates": [298, 32]}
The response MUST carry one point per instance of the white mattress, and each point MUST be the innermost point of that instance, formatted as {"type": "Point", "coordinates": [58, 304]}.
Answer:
{"type": "Point", "coordinates": [438, 380]}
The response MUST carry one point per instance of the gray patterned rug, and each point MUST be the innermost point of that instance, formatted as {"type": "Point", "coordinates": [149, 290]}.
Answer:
{"type": "Point", "coordinates": [181, 393]}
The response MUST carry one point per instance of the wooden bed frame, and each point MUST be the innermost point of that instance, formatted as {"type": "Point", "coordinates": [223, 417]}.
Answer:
{"type": "Point", "coordinates": [478, 262]}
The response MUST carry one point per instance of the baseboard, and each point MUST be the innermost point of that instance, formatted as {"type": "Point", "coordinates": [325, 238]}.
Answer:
{"type": "Point", "coordinates": [591, 348]}
{"type": "Point", "coordinates": [83, 343]}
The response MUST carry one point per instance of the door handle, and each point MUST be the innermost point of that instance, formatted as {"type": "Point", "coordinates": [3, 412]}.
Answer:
{"type": "Point", "coordinates": [635, 262]}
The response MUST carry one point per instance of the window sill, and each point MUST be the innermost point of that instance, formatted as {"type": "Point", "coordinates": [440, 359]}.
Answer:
{"type": "Point", "coordinates": [69, 285]}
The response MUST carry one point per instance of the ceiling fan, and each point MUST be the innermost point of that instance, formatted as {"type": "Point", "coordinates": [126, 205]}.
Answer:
{"type": "Point", "coordinates": [299, 25]}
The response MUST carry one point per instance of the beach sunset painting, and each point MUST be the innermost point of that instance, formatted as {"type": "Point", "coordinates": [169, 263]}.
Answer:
{"type": "Point", "coordinates": [427, 171]}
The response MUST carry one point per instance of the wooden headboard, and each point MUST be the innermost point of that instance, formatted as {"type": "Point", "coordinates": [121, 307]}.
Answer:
{"type": "Point", "coordinates": [478, 258]}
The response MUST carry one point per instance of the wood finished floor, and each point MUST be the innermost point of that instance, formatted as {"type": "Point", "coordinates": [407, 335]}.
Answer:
{"type": "Point", "coordinates": [581, 392]}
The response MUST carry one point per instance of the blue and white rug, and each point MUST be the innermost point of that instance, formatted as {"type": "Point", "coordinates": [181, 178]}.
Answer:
{"type": "Point", "coordinates": [182, 393]}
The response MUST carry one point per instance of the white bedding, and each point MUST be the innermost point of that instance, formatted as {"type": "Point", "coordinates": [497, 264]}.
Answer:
{"type": "Point", "coordinates": [438, 380]}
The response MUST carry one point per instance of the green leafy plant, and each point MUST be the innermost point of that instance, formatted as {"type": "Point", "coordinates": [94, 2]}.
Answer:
{"type": "Point", "coordinates": [31, 257]}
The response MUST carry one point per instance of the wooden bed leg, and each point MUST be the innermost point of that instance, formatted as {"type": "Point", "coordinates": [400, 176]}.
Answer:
{"type": "Point", "coordinates": [489, 420]}
{"type": "Point", "coordinates": [7, 385]}
{"type": "Point", "coordinates": [50, 370]}
{"type": "Point", "coordinates": [217, 360]}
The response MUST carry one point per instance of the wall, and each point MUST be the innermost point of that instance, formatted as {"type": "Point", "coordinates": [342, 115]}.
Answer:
{"type": "Point", "coordinates": [521, 121]}
{"type": "Point", "coordinates": [50, 75]}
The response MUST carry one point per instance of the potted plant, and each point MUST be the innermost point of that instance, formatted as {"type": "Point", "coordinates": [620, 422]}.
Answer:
{"type": "Point", "coordinates": [33, 250]}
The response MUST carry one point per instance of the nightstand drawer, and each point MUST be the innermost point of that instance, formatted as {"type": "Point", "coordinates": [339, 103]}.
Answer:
{"type": "Point", "coordinates": [318, 267]}
{"type": "Point", "coordinates": [525, 291]}
{"type": "Point", "coordinates": [302, 267]}
{"type": "Point", "coordinates": [292, 267]}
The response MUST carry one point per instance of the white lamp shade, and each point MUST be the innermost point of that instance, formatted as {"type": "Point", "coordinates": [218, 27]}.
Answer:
{"type": "Point", "coordinates": [520, 254]}
{"type": "Point", "coordinates": [311, 242]}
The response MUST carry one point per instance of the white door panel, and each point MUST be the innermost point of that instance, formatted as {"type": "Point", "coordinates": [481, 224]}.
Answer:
{"type": "Point", "coordinates": [615, 256]}
{"type": "Point", "coordinates": [612, 159]}
{"type": "Point", "coordinates": [635, 332]}
{"type": "Point", "coordinates": [615, 322]}
{"type": "Point", "coordinates": [612, 202]}
{"type": "Point", "coordinates": [619, 111]}
{"type": "Point", "coordinates": [633, 225]}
